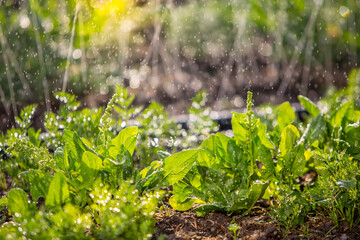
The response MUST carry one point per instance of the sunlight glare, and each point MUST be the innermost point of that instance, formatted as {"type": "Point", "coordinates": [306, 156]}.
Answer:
{"type": "Point", "coordinates": [109, 7]}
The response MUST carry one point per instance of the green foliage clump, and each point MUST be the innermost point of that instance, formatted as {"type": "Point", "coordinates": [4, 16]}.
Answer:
{"type": "Point", "coordinates": [69, 183]}
{"type": "Point", "coordinates": [93, 179]}
{"type": "Point", "coordinates": [220, 175]}
{"type": "Point", "coordinates": [110, 214]}
{"type": "Point", "coordinates": [230, 174]}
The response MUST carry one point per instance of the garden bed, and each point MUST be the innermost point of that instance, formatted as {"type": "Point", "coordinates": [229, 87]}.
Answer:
{"type": "Point", "coordinates": [256, 225]}
{"type": "Point", "coordinates": [91, 175]}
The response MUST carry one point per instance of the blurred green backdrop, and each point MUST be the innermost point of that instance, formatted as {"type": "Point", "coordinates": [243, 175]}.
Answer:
{"type": "Point", "coordinates": [166, 50]}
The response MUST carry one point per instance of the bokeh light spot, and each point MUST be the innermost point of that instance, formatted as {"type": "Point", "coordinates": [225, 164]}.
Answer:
{"type": "Point", "coordinates": [344, 11]}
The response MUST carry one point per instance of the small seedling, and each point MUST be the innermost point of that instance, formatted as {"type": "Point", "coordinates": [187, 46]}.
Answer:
{"type": "Point", "coordinates": [234, 228]}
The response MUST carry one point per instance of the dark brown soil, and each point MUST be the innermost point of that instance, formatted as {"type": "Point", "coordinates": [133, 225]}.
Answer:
{"type": "Point", "coordinates": [257, 225]}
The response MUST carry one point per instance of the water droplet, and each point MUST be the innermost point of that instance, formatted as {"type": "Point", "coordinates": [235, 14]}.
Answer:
{"type": "Point", "coordinates": [344, 11]}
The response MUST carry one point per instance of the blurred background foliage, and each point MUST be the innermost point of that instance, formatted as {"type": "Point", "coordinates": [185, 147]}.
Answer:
{"type": "Point", "coordinates": [167, 50]}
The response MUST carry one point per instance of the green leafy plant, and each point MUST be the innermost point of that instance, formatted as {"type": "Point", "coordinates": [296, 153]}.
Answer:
{"type": "Point", "coordinates": [79, 175]}
{"type": "Point", "coordinates": [290, 210]}
{"type": "Point", "coordinates": [337, 191]}
{"type": "Point", "coordinates": [101, 179]}
{"type": "Point", "coordinates": [84, 121]}
{"type": "Point", "coordinates": [332, 138]}
{"type": "Point", "coordinates": [234, 228]}
{"type": "Point", "coordinates": [221, 175]}
{"type": "Point", "coordinates": [111, 214]}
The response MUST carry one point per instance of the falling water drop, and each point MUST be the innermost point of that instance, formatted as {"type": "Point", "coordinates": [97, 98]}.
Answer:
{"type": "Point", "coordinates": [344, 11]}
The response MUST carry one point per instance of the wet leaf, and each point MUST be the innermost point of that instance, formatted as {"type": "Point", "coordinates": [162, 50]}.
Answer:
{"type": "Point", "coordinates": [61, 158]}
{"type": "Point", "coordinates": [337, 117]}
{"type": "Point", "coordinates": [315, 131]}
{"type": "Point", "coordinates": [17, 200]}
{"type": "Point", "coordinates": [178, 165]}
{"type": "Point", "coordinates": [181, 206]}
{"type": "Point", "coordinates": [74, 144]}
{"type": "Point", "coordinates": [238, 122]}
{"type": "Point", "coordinates": [245, 203]}
{"type": "Point", "coordinates": [309, 106]}
{"type": "Point", "coordinates": [89, 168]}
{"type": "Point", "coordinates": [58, 193]}
{"type": "Point", "coordinates": [286, 115]}
{"type": "Point", "coordinates": [39, 182]}
{"type": "Point", "coordinates": [209, 144]}
{"type": "Point", "coordinates": [298, 161]}
{"type": "Point", "coordinates": [352, 136]}
{"type": "Point", "coordinates": [127, 138]}
{"type": "Point", "coordinates": [288, 138]}
{"type": "Point", "coordinates": [262, 134]}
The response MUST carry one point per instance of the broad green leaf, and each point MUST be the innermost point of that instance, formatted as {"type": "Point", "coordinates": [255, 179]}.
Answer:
{"type": "Point", "coordinates": [309, 106]}
{"type": "Point", "coordinates": [18, 203]}
{"type": "Point", "coordinates": [241, 201]}
{"type": "Point", "coordinates": [145, 172]}
{"type": "Point", "coordinates": [221, 142]}
{"type": "Point", "coordinates": [58, 193]}
{"type": "Point", "coordinates": [314, 131]}
{"type": "Point", "coordinates": [338, 115]}
{"type": "Point", "coordinates": [195, 179]}
{"type": "Point", "coordinates": [263, 136]}
{"type": "Point", "coordinates": [356, 116]}
{"type": "Point", "coordinates": [236, 158]}
{"type": "Point", "coordinates": [39, 182]}
{"type": "Point", "coordinates": [298, 167]}
{"type": "Point", "coordinates": [209, 144]}
{"type": "Point", "coordinates": [204, 209]}
{"type": "Point", "coordinates": [151, 177]}
{"type": "Point", "coordinates": [257, 190]}
{"type": "Point", "coordinates": [353, 80]}
{"type": "Point", "coordinates": [266, 159]}
{"type": "Point", "coordinates": [286, 115]}
{"type": "Point", "coordinates": [182, 191]}
{"type": "Point", "coordinates": [120, 168]}
{"type": "Point", "coordinates": [74, 144]}
{"type": "Point", "coordinates": [86, 142]}
{"type": "Point", "coordinates": [61, 158]}
{"type": "Point", "coordinates": [181, 206]}
{"type": "Point", "coordinates": [218, 187]}
{"type": "Point", "coordinates": [205, 158]}
{"type": "Point", "coordinates": [288, 138]}
{"type": "Point", "coordinates": [238, 125]}
{"type": "Point", "coordinates": [89, 168]}
{"type": "Point", "coordinates": [178, 165]}
{"type": "Point", "coordinates": [153, 166]}
{"type": "Point", "coordinates": [76, 147]}
{"type": "Point", "coordinates": [127, 138]}
{"type": "Point", "coordinates": [352, 136]}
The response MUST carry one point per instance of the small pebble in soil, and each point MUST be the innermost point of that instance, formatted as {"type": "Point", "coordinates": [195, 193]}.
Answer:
{"type": "Point", "coordinates": [343, 237]}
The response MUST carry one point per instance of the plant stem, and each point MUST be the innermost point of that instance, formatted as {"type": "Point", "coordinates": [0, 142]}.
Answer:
{"type": "Point", "coordinates": [4, 101]}
{"type": "Point", "coordinates": [7, 51]}
{"type": "Point", "coordinates": [10, 83]}
{"type": "Point", "coordinates": [41, 61]}
{"type": "Point", "coordinates": [83, 50]}
{"type": "Point", "coordinates": [66, 75]}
